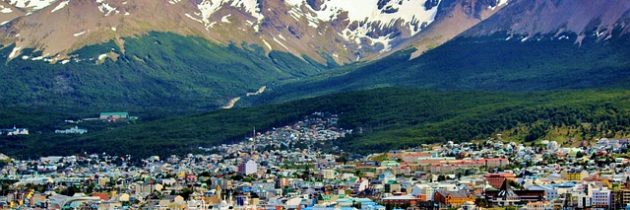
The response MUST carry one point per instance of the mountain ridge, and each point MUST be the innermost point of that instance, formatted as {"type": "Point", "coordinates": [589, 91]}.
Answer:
{"type": "Point", "coordinates": [335, 27]}
{"type": "Point", "coordinates": [446, 54]}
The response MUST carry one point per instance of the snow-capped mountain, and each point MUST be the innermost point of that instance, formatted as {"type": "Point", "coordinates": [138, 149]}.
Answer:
{"type": "Point", "coordinates": [453, 18]}
{"type": "Point", "coordinates": [343, 30]}
{"type": "Point", "coordinates": [8, 12]}
{"type": "Point", "coordinates": [30, 5]}
{"type": "Point", "coordinates": [583, 18]}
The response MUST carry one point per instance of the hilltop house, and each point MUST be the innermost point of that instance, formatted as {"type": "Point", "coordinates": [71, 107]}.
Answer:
{"type": "Point", "coordinates": [73, 130]}
{"type": "Point", "coordinates": [14, 131]}
{"type": "Point", "coordinates": [114, 116]}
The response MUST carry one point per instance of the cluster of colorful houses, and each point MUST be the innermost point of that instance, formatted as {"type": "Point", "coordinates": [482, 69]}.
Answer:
{"type": "Point", "coordinates": [284, 169]}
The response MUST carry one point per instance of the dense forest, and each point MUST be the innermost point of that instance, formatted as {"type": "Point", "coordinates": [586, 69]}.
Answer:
{"type": "Point", "coordinates": [382, 118]}
{"type": "Point", "coordinates": [155, 73]}
{"type": "Point", "coordinates": [480, 63]}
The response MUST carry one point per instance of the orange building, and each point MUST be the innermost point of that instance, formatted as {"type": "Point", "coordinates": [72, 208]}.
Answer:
{"type": "Point", "coordinates": [453, 198]}
{"type": "Point", "coordinates": [422, 197]}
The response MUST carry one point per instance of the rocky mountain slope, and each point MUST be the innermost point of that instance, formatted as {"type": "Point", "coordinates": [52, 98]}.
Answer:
{"type": "Point", "coordinates": [558, 18]}
{"type": "Point", "coordinates": [343, 30]}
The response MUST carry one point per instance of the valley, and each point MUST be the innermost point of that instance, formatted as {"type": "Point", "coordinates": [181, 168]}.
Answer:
{"type": "Point", "coordinates": [315, 104]}
{"type": "Point", "coordinates": [387, 118]}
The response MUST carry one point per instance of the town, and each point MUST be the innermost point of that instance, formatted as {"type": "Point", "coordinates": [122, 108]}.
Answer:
{"type": "Point", "coordinates": [298, 167]}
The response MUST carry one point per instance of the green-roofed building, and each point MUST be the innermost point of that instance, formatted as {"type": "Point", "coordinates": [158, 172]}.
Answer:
{"type": "Point", "coordinates": [390, 164]}
{"type": "Point", "coordinates": [114, 116]}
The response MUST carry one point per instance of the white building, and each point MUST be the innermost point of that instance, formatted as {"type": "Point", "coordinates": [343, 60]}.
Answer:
{"type": "Point", "coordinates": [600, 197]}
{"type": "Point", "coordinates": [583, 200]}
{"type": "Point", "coordinates": [361, 185]}
{"type": "Point", "coordinates": [16, 131]}
{"type": "Point", "coordinates": [248, 168]}
{"type": "Point", "coordinates": [73, 130]}
{"type": "Point", "coordinates": [551, 193]}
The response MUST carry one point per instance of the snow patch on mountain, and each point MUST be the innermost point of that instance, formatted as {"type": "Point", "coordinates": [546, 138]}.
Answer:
{"type": "Point", "coordinates": [31, 4]}
{"type": "Point", "coordinates": [15, 52]}
{"type": "Point", "coordinates": [500, 3]}
{"type": "Point", "coordinates": [106, 8]}
{"type": "Point", "coordinates": [372, 12]}
{"type": "Point", "coordinates": [370, 20]}
{"type": "Point", "coordinates": [5, 10]}
{"type": "Point", "coordinates": [208, 7]}
{"type": "Point", "coordinates": [60, 6]}
{"type": "Point", "coordinates": [267, 44]}
{"type": "Point", "coordinates": [78, 34]}
{"type": "Point", "coordinates": [174, 1]}
{"type": "Point", "coordinates": [226, 19]}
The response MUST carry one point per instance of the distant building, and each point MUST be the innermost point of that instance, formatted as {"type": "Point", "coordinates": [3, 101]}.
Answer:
{"type": "Point", "coordinates": [14, 131]}
{"type": "Point", "coordinates": [114, 116]}
{"type": "Point", "coordinates": [387, 177]}
{"type": "Point", "coordinates": [73, 130]}
{"type": "Point", "coordinates": [248, 168]}
{"type": "Point", "coordinates": [506, 196]}
{"type": "Point", "coordinates": [574, 174]}
{"type": "Point", "coordinates": [453, 198]}
{"type": "Point", "coordinates": [600, 197]}
{"type": "Point", "coordinates": [401, 200]}
{"type": "Point", "coordinates": [423, 190]}
{"type": "Point", "coordinates": [538, 205]}
{"type": "Point", "coordinates": [496, 180]}
{"type": "Point", "coordinates": [621, 196]}
{"type": "Point", "coordinates": [390, 164]}
{"type": "Point", "coordinates": [328, 173]}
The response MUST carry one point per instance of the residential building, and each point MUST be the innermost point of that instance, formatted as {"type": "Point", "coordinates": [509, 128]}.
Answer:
{"type": "Point", "coordinates": [249, 167]}
{"type": "Point", "coordinates": [73, 130]}
{"type": "Point", "coordinates": [600, 197]}
{"type": "Point", "coordinates": [496, 179]}
{"type": "Point", "coordinates": [453, 198]}
{"type": "Point", "coordinates": [114, 116]}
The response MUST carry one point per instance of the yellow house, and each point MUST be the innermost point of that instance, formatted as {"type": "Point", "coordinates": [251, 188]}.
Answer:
{"type": "Point", "coordinates": [574, 175]}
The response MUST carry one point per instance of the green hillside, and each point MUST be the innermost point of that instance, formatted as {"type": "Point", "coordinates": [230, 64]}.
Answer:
{"type": "Point", "coordinates": [481, 63]}
{"type": "Point", "coordinates": [158, 72]}
{"type": "Point", "coordinates": [387, 118]}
